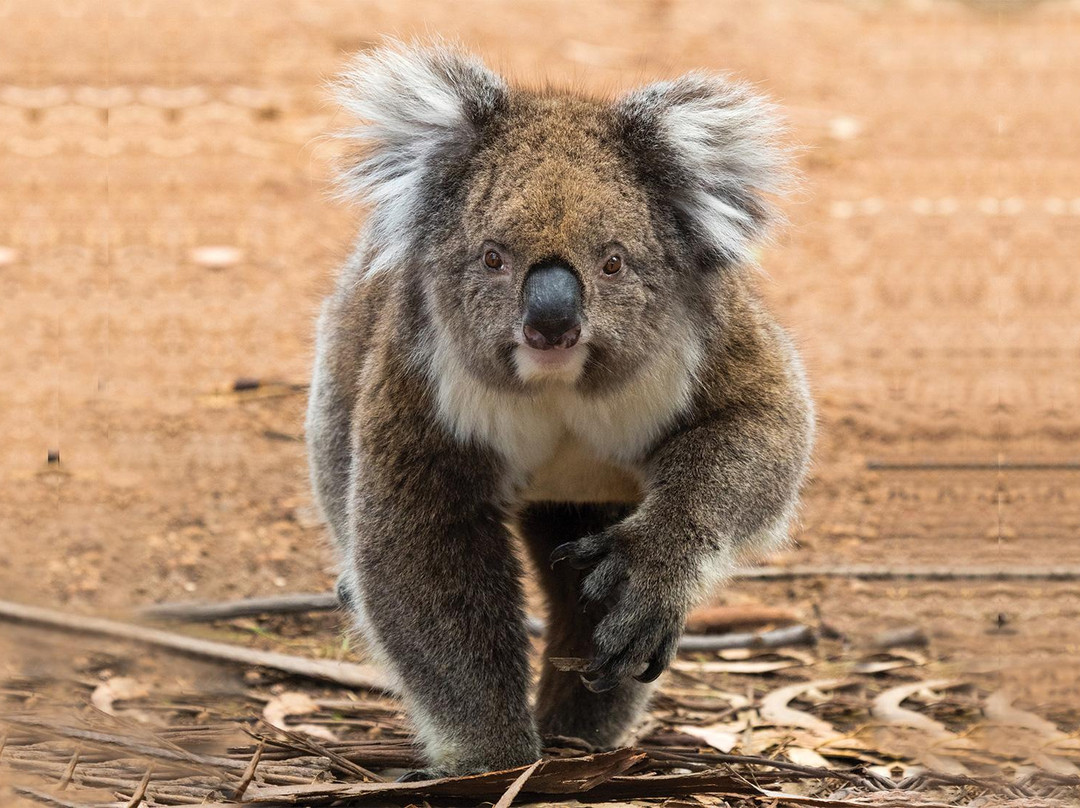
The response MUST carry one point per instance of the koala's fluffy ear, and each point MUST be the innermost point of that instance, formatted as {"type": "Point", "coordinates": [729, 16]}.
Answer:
{"type": "Point", "coordinates": [424, 108]}
{"type": "Point", "coordinates": [709, 147]}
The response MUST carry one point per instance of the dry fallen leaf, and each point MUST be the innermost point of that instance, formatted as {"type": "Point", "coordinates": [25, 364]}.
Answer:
{"type": "Point", "coordinates": [775, 710]}
{"type": "Point", "coordinates": [929, 739]}
{"type": "Point", "coordinates": [881, 663]}
{"type": "Point", "coordinates": [292, 703]}
{"type": "Point", "coordinates": [721, 737]}
{"type": "Point", "coordinates": [886, 707]}
{"type": "Point", "coordinates": [115, 689]}
{"type": "Point", "coordinates": [1048, 746]}
{"type": "Point", "coordinates": [806, 757]}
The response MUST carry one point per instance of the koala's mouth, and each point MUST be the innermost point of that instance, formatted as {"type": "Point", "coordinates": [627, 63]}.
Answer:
{"type": "Point", "coordinates": [560, 364]}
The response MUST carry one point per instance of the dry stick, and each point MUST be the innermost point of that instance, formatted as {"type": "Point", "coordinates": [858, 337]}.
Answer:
{"type": "Point", "coordinates": [976, 465]}
{"type": "Point", "coordinates": [47, 798]}
{"type": "Point", "coordinates": [169, 789]}
{"type": "Point", "coordinates": [874, 573]}
{"type": "Point", "coordinates": [70, 770]}
{"type": "Point", "coordinates": [343, 673]}
{"type": "Point", "coordinates": [811, 771]}
{"type": "Point", "coordinates": [515, 787]}
{"type": "Point", "coordinates": [206, 611]}
{"type": "Point", "coordinates": [108, 740]}
{"type": "Point", "coordinates": [140, 792]}
{"type": "Point", "coordinates": [249, 773]}
{"type": "Point", "coordinates": [311, 746]}
{"type": "Point", "coordinates": [202, 611]}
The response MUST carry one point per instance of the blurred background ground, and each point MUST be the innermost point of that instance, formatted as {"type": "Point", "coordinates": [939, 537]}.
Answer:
{"type": "Point", "coordinates": [928, 273]}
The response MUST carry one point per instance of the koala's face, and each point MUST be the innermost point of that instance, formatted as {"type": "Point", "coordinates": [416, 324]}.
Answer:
{"type": "Point", "coordinates": [557, 239]}
{"type": "Point", "coordinates": [551, 269]}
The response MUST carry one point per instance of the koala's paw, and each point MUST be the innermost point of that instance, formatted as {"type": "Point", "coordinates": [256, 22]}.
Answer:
{"type": "Point", "coordinates": [639, 634]}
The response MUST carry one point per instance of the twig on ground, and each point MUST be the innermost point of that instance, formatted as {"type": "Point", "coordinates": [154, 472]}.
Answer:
{"type": "Point", "coordinates": [311, 746]}
{"type": "Point", "coordinates": [46, 798]}
{"type": "Point", "coordinates": [203, 611]}
{"type": "Point", "coordinates": [561, 776]}
{"type": "Point", "coordinates": [876, 573]}
{"type": "Point", "coordinates": [853, 777]}
{"type": "Point", "coordinates": [343, 673]}
{"type": "Point", "coordinates": [777, 638]}
{"type": "Point", "coordinates": [170, 752]}
{"type": "Point", "coordinates": [197, 611]}
{"type": "Point", "coordinates": [875, 464]}
{"type": "Point", "coordinates": [508, 796]}
{"type": "Point", "coordinates": [140, 791]}
{"type": "Point", "coordinates": [70, 770]}
{"type": "Point", "coordinates": [206, 611]}
{"type": "Point", "coordinates": [249, 773]}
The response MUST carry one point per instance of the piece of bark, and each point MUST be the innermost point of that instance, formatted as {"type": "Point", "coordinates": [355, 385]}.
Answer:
{"type": "Point", "coordinates": [907, 637]}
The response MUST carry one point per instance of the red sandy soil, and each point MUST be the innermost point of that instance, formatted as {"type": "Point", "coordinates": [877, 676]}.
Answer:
{"type": "Point", "coordinates": [928, 273]}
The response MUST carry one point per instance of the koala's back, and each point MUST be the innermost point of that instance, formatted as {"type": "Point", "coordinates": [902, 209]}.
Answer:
{"type": "Point", "coordinates": [347, 329]}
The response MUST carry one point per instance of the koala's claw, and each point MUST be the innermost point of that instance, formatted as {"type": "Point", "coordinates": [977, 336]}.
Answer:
{"type": "Point", "coordinates": [419, 775]}
{"type": "Point", "coordinates": [638, 636]}
{"type": "Point", "coordinates": [601, 675]}
{"type": "Point", "coordinates": [660, 660]}
{"type": "Point", "coordinates": [345, 596]}
{"type": "Point", "coordinates": [581, 554]}
{"type": "Point", "coordinates": [608, 670]}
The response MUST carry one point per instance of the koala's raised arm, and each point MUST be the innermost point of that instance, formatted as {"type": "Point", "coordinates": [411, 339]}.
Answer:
{"type": "Point", "coordinates": [719, 487]}
{"type": "Point", "coordinates": [548, 324]}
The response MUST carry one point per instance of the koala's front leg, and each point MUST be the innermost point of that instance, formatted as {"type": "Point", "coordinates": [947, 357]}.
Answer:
{"type": "Point", "coordinates": [440, 593]}
{"type": "Point", "coordinates": [719, 489]}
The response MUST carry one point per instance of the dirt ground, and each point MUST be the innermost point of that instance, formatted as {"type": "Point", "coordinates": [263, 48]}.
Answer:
{"type": "Point", "coordinates": [928, 272]}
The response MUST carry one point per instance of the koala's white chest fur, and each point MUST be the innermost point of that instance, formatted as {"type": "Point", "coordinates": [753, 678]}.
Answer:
{"type": "Point", "coordinates": [560, 445]}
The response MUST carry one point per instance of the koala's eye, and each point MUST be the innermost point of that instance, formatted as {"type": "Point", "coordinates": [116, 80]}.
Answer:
{"type": "Point", "coordinates": [613, 264]}
{"type": "Point", "coordinates": [492, 259]}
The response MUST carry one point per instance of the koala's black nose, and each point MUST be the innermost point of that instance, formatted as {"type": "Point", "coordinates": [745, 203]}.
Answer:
{"type": "Point", "coordinates": [552, 302]}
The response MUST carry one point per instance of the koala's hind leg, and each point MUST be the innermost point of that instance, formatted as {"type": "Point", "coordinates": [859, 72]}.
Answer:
{"type": "Point", "coordinates": [564, 706]}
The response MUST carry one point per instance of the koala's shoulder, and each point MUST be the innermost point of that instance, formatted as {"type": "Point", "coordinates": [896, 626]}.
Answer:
{"type": "Point", "coordinates": [751, 362]}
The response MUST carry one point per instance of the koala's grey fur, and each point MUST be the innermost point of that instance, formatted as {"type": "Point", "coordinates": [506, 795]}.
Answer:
{"type": "Point", "coordinates": [665, 446]}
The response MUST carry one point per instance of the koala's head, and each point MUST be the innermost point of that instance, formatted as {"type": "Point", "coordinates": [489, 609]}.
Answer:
{"type": "Point", "coordinates": [555, 238]}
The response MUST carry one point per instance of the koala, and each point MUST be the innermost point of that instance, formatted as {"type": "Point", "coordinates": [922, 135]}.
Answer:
{"type": "Point", "coordinates": [547, 333]}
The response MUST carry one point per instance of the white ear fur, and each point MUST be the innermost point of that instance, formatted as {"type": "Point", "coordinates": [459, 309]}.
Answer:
{"type": "Point", "coordinates": [712, 145]}
{"type": "Point", "coordinates": [422, 107]}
